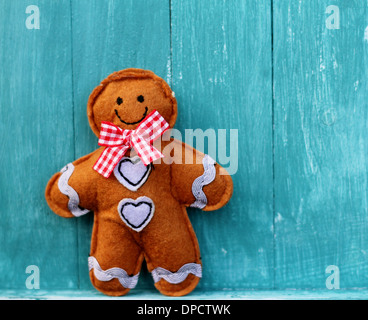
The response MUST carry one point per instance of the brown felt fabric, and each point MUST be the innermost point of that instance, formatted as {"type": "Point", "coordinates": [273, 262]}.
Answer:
{"type": "Point", "coordinates": [129, 84]}
{"type": "Point", "coordinates": [114, 245]}
{"type": "Point", "coordinates": [218, 192]}
{"type": "Point", "coordinates": [168, 241]}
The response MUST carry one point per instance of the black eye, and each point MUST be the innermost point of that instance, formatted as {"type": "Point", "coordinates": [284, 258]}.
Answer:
{"type": "Point", "coordinates": [119, 101]}
{"type": "Point", "coordinates": [140, 98]}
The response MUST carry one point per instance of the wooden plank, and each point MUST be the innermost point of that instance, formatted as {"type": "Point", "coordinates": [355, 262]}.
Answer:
{"type": "Point", "coordinates": [195, 295]}
{"type": "Point", "coordinates": [320, 146]}
{"type": "Point", "coordinates": [109, 36]}
{"type": "Point", "coordinates": [222, 80]}
{"type": "Point", "coordinates": [36, 135]}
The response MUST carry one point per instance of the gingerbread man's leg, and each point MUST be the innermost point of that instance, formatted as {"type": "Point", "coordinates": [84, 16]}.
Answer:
{"type": "Point", "coordinates": [115, 259]}
{"type": "Point", "coordinates": [172, 252]}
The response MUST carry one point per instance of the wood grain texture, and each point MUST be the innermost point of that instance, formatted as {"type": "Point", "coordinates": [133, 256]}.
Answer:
{"type": "Point", "coordinates": [222, 80]}
{"type": "Point", "coordinates": [36, 135]}
{"type": "Point", "coordinates": [109, 36]}
{"type": "Point", "coordinates": [300, 191]}
{"type": "Point", "coordinates": [196, 295]}
{"type": "Point", "coordinates": [320, 144]}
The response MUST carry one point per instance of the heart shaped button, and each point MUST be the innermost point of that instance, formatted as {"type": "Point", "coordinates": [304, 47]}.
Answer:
{"type": "Point", "coordinates": [136, 213]}
{"type": "Point", "coordinates": [132, 173]}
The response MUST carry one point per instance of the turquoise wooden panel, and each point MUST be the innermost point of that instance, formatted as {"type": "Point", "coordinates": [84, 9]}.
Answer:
{"type": "Point", "coordinates": [293, 88]}
{"type": "Point", "coordinates": [222, 78]}
{"type": "Point", "coordinates": [320, 143]}
{"type": "Point", "coordinates": [36, 134]}
{"type": "Point", "coordinates": [109, 36]}
{"type": "Point", "coordinates": [287, 294]}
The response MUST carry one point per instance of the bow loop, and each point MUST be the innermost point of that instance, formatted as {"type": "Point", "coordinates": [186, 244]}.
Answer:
{"type": "Point", "coordinates": [119, 141]}
{"type": "Point", "coordinates": [152, 127]}
{"type": "Point", "coordinates": [145, 150]}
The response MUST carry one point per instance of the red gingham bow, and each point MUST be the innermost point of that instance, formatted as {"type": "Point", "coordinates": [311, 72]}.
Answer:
{"type": "Point", "coordinates": [119, 141]}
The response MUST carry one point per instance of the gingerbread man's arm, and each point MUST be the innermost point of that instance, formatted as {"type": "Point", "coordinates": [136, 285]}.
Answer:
{"type": "Point", "coordinates": [72, 191]}
{"type": "Point", "coordinates": [197, 181]}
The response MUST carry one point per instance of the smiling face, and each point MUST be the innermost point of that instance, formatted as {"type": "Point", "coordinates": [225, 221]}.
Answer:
{"type": "Point", "coordinates": [126, 97]}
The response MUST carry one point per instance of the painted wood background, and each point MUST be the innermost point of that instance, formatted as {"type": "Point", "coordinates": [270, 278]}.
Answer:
{"type": "Point", "coordinates": [277, 71]}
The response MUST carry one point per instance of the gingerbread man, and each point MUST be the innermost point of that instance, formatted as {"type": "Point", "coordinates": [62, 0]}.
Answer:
{"type": "Point", "coordinates": [138, 191]}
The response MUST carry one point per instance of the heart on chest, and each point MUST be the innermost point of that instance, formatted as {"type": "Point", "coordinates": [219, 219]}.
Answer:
{"type": "Point", "coordinates": [136, 213]}
{"type": "Point", "coordinates": [132, 173]}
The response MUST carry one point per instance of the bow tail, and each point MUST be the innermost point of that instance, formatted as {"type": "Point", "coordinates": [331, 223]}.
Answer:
{"type": "Point", "coordinates": [146, 151]}
{"type": "Point", "coordinates": [108, 160]}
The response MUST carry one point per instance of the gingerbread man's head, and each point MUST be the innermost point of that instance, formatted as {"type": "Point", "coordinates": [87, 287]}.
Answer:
{"type": "Point", "coordinates": [126, 97]}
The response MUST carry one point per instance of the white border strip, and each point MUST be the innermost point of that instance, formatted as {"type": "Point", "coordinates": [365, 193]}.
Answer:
{"type": "Point", "coordinates": [136, 203]}
{"type": "Point", "coordinates": [125, 280]}
{"type": "Point", "coordinates": [206, 178]}
{"type": "Point", "coordinates": [67, 190]}
{"type": "Point", "coordinates": [179, 276]}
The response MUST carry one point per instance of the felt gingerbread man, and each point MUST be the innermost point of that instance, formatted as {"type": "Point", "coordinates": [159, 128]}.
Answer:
{"type": "Point", "coordinates": [138, 199]}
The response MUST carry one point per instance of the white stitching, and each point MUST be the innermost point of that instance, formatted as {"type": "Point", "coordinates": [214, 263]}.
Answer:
{"type": "Point", "coordinates": [144, 220]}
{"type": "Point", "coordinates": [67, 190]}
{"type": "Point", "coordinates": [206, 178]}
{"type": "Point", "coordinates": [125, 280]}
{"type": "Point", "coordinates": [179, 276]}
{"type": "Point", "coordinates": [137, 164]}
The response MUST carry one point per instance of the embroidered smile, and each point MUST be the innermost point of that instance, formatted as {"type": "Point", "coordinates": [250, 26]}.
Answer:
{"type": "Point", "coordinates": [144, 115]}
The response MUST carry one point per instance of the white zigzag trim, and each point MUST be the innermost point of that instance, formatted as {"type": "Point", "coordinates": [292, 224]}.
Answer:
{"type": "Point", "coordinates": [178, 276]}
{"type": "Point", "coordinates": [206, 178]}
{"type": "Point", "coordinates": [125, 280]}
{"type": "Point", "coordinates": [67, 190]}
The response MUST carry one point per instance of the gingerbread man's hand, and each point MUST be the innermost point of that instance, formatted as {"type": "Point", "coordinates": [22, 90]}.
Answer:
{"type": "Point", "coordinates": [198, 181]}
{"type": "Point", "coordinates": [71, 192]}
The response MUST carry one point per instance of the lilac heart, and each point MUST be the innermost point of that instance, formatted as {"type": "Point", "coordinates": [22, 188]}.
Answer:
{"type": "Point", "coordinates": [132, 173]}
{"type": "Point", "coordinates": [136, 213]}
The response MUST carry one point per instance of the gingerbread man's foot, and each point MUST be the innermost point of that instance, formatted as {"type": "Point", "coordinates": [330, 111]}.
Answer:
{"type": "Point", "coordinates": [177, 283]}
{"type": "Point", "coordinates": [177, 290]}
{"type": "Point", "coordinates": [114, 281]}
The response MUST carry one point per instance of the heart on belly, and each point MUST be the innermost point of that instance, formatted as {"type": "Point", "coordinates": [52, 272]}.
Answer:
{"type": "Point", "coordinates": [136, 213]}
{"type": "Point", "coordinates": [132, 173]}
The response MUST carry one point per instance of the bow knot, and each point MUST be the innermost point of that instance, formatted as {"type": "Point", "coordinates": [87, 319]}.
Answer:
{"type": "Point", "coordinates": [118, 141]}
